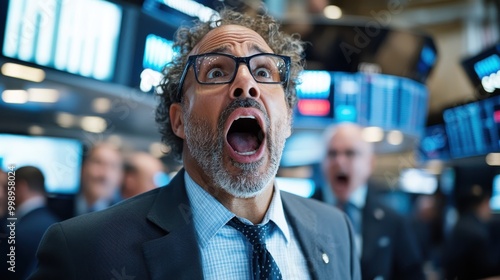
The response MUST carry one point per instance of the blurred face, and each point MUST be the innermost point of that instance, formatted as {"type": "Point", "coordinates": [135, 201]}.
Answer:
{"type": "Point", "coordinates": [235, 133]}
{"type": "Point", "coordinates": [3, 192]}
{"type": "Point", "coordinates": [142, 178]}
{"type": "Point", "coordinates": [102, 173]}
{"type": "Point", "coordinates": [348, 162]}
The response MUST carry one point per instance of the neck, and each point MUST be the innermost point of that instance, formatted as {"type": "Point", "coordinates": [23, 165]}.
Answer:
{"type": "Point", "coordinates": [90, 199]}
{"type": "Point", "coordinates": [253, 209]}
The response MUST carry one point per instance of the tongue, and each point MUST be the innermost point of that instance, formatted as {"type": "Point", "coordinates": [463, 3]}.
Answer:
{"type": "Point", "coordinates": [242, 142]}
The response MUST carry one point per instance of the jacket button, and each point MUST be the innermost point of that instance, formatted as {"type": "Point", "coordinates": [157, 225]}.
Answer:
{"type": "Point", "coordinates": [325, 258]}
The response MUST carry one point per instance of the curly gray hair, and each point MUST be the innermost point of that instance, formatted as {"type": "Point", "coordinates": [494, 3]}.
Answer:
{"type": "Point", "coordinates": [188, 37]}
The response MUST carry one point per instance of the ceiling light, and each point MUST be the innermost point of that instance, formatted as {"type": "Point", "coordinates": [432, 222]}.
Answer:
{"type": "Point", "coordinates": [101, 105]}
{"type": "Point", "coordinates": [93, 124]}
{"type": "Point", "coordinates": [35, 130]}
{"type": "Point", "coordinates": [395, 137]}
{"type": "Point", "coordinates": [65, 120]}
{"type": "Point", "coordinates": [44, 95]}
{"type": "Point", "coordinates": [493, 159]}
{"type": "Point", "coordinates": [17, 96]}
{"type": "Point", "coordinates": [23, 72]}
{"type": "Point", "coordinates": [332, 12]}
{"type": "Point", "coordinates": [373, 134]}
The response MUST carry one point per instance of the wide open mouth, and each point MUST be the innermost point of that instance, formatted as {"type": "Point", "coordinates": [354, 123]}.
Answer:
{"type": "Point", "coordinates": [342, 178]}
{"type": "Point", "coordinates": [245, 135]}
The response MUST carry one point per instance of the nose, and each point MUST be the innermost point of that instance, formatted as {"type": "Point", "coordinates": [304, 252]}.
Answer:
{"type": "Point", "coordinates": [337, 159]}
{"type": "Point", "coordinates": [244, 85]}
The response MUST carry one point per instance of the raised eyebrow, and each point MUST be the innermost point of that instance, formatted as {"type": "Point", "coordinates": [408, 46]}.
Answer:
{"type": "Point", "coordinates": [221, 49]}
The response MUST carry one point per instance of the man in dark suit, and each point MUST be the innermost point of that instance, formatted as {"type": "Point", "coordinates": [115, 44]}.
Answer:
{"type": "Point", "coordinates": [471, 250]}
{"type": "Point", "coordinates": [33, 219]}
{"type": "Point", "coordinates": [226, 112]}
{"type": "Point", "coordinates": [387, 246]}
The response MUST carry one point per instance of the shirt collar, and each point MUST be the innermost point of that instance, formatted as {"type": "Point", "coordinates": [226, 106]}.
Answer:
{"type": "Point", "coordinates": [358, 197]}
{"type": "Point", "coordinates": [209, 215]}
{"type": "Point", "coordinates": [30, 205]}
{"type": "Point", "coordinates": [83, 208]}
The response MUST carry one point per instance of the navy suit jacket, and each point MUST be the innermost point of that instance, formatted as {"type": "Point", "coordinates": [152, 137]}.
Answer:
{"type": "Point", "coordinates": [390, 248]}
{"type": "Point", "coordinates": [152, 236]}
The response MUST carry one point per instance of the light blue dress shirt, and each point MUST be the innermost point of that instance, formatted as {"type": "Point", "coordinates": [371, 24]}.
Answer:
{"type": "Point", "coordinates": [225, 252]}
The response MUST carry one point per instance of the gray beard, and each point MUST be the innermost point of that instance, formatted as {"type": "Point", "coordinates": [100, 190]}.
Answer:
{"type": "Point", "coordinates": [206, 147]}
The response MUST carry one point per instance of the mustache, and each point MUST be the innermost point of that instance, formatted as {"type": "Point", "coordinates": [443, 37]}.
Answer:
{"type": "Point", "coordinates": [242, 103]}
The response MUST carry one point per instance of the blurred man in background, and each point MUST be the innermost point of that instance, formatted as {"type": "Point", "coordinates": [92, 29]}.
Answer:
{"type": "Point", "coordinates": [471, 250]}
{"type": "Point", "coordinates": [386, 244]}
{"type": "Point", "coordinates": [143, 172]}
{"type": "Point", "coordinates": [101, 178]}
{"type": "Point", "coordinates": [33, 219]}
{"type": "Point", "coordinates": [3, 195]}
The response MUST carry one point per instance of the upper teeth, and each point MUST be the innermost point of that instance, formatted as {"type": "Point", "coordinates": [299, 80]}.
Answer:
{"type": "Point", "coordinates": [246, 153]}
{"type": "Point", "coordinates": [245, 117]}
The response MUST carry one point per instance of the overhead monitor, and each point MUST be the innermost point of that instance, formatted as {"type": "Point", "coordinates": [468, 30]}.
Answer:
{"type": "Point", "coordinates": [59, 159]}
{"type": "Point", "coordinates": [315, 96]}
{"type": "Point", "coordinates": [434, 144]}
{"type": "Point", "coordinates": [76, 36]}
{"type": "Point", "coordinates": [473, 129]}
{"type": "Point", "coordinates": [483, 69]}
{"type": "Point", "coordinates": [370, 99]}
{"type": "Point", "coordinates": [153, 50]}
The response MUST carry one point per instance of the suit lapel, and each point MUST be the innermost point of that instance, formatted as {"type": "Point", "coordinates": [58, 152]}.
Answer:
{"type": "Point", "coordinates": [175, 255]}
{"type": "Point", "coordinates": [314, 244]}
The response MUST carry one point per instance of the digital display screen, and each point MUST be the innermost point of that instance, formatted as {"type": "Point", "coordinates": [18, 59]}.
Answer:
{"type": "Point", "coordinates": [59, 159]}
{"type": "Point", "coordinates": [386, 101]}
{"type": "Point", "coordinates": [473, 129]}
{"type": "Point", "coordinates": [314, 95]}
{"type": "Point", "coordinates": [76, 36]}
{"type": "Point", "coordinates": [380, 100]}
{"type": "Point", "coordinates": [153, 50]}
{"type": "Point", "coordinates": [483, 69]}
{"type": "Point", "coordinates": [434, 144]}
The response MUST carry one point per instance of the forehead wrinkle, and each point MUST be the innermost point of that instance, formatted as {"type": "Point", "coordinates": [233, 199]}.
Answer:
{"type": "Point", "coordinates": [231, 37]}
{"type": "Point", "coordinates": [226, 49]}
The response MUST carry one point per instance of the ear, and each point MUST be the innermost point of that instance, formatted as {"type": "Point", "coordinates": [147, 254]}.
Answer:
{"type": "Point", "coordinates": [176, 120]}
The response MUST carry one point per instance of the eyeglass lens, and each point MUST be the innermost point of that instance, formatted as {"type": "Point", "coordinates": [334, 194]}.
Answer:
{"type": "Point", "coordinates": [350, 154]}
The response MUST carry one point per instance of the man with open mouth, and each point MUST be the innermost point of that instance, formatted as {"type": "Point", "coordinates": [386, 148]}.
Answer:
{"type": "Point", "coordinates": [386, 243]}
{"type": "Point", "coordinates": [225, 110]}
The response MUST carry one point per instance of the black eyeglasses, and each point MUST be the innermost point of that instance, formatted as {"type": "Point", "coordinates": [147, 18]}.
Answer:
{"type": "Point", "coordinates": [220, 68]}
{"type": "Point", "coordinates": [350, 154]}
